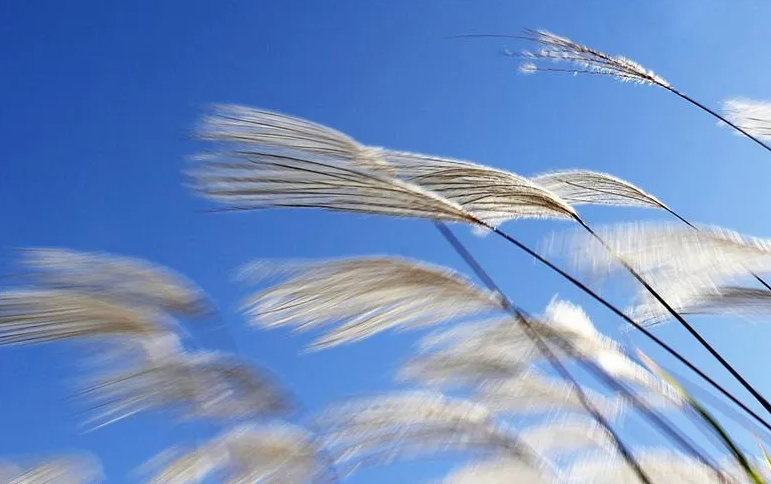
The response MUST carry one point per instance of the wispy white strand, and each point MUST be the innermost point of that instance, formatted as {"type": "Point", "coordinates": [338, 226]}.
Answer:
{"type": "Point", "coordinates": [581, 59]}
{"type": "Point", "coordinates": [278, 453]}
{"type": "Point", "coordinates": [199, 385]}
{"type": "Point", "coordinates": [752, 116]}
{"type": "Point", "coordinates": [274, 160]}
{"type": "Point", "coordinates": [368, 295]}
{"type": "Point", "coordinates": [501, 471]}
{"type": "Point", "coordinates": [660, 465]}
{"type": "Point", "coordinates": [578, 187]}
{"type": "Point", "coordinates": [126, 279]}
{"type": "Point", "coordinates": [62, 469]}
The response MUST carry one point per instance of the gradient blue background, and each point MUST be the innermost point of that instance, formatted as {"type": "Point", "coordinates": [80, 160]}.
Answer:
{"type": "Point", "coordinates": [98, 100]}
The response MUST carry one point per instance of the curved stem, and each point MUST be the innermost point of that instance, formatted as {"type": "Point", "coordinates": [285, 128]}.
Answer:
{"type": "Point", "coordinates": [714, 114]}
{"type": "Point", "coordinates": [657, 420]}
{"type": "Point", "coordinates": [583, 287]}
{"type": "Point", "coordinates": [544, 349]}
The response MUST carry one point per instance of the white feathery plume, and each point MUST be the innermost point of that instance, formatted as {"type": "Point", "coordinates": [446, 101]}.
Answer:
{"type": "Point", "coordinates": [564, 436]}
{"type": "Point", "coordinates": [249, 126]}
{"type": "Point", "coordinates": [368, 295]}
{"type": "Point", "coordinates": [375, 431]}
{"type": "Point", "coordinates": [710, 300]}
{"type": "Point", "coordinates": [576, 330]}
{"type": "Point", "coordinates": [533, 393]}
{"type": "Point", "coordinates": [501, 471]}
{"type": "Point", "coordinates": [127, 279]}
{"type": "Point", "coordinates": [671, 254]}
{"type": "Point", "coordinates": [754, 117]}
{"type": "Point", "coordinates": [578, 187]}
{"type": "Point", "coordinates": [585, 60]}
{"type": "Point", "coordinates": [492, 195]}
{"type": "Point", "coordinates": [185, 466]}
{"type": "Point", "coordinates": [278, 453]}
{"type": "Point", "coordinates": [204, 385]}
{"type": "Point", "coordinates": [63, 469]}
{"type": "Point", "coordinates": [282, 161]}
{"type": "Point", "coordinates": [303, 170]}
{"type": "Point", "coordinates": [659, 465]}
{"type": "Point", "coordinates": [45, 315]}
{"type": "Point", "coordinates": [571, 323]}
{"type": "Point", "coordinates": [472, 353]}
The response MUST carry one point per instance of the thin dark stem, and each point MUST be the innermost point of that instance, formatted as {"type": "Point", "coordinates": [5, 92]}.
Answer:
{"type": "Point", "coordinates": [544, 350]}
{"type": "Point", "coordinates": [657, 420]}
{"type": "Point", "coordinates": [714, 114]}
{"type": "Point", "coordinates": [583, 287]}
{"type": "Point", "coordinates": [765, 403]}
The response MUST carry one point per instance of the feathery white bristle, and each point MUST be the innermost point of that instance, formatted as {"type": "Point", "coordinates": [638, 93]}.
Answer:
{"type": "Point", "coordinates": [586, 60]}
{"type": "Point", "coordinates": [492, 195]}
{"type": "Point", "coordinates": [62, 469]}
{"type": "Point", "coordinates": [127, 279]}
{"type": "Point", "coordinates": [368, 295]}
{"type": "Point", "coordinates": [578, 187]}
{"type": "Point", "coordinates": [500, 471]}
{"type": "Point", "coordinates": [752, 116]}
{"type": "Point", "coordinates": [201, 385]}
{"type": "Point", "coordinates": [658, 464]}
{"type": "Point", "coordinates": [279, 453]}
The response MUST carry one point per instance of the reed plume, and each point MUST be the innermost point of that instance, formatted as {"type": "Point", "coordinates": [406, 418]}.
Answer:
{"type": "Point", "coordinates": [199, 385]}
{"type": "Point", "coordinates": [277, 453]}
{"type": "Point", "coordinates": [60, 469]}
{"type": "Point", "coordinates": [578, 187]}
{"type": "Point", "coordinates": [501, 470]}
{"type": "Point", "coordinates": [367, 295]}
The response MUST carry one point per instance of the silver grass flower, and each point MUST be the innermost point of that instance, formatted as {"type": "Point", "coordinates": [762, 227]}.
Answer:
{"type": "Point", "coordinates": [303, 168]}
{"type": "Point", "coordinates": [203, 385]}
{"type": "Point", "coordinates": [665, 253]}
{"type": "Point", "coordinates": [493, 195]}
{"type": "Point", "coordinates": [376, 431]}
{"type": "Point", "coordinates": [584, 60]}
{"type": "Point", "coordinates": [282, 161]}
{"type": "Point", "coordinates": [367, 295]}
{"type": "Point", "coordinates": [472, 353]}
{"type": "Point", "coordinates": [660, 465]}
{"type": "Point", "coordinates": [708, 300]}
{"type": "Point", "coordinates": [754, 117]}
{"type": "Point", "coordinates": [123, 278]}
{"type": "Point", "coordinates": [45, 315]}
{"type": "Point", "coordinates": [578, 187]}
{"type": "Point", "coordinates": [501, 471]}
{"type": "Point", "coordinates": [533, 393]}
{"type": "Point", "coordinates": [499, 350]}
{"type": "Point", "coordinates": [571, 325]}
{"type": "Point", "coordinates": [63, 469]}
{"type": "Point", "coordinates": [567, 435]}
{"type": "Point", "coordinates": [278, 453]}
{"type": "Point", "coordinates": [178, 465]}
{"type": "Point", "coordinates": [230, 123]}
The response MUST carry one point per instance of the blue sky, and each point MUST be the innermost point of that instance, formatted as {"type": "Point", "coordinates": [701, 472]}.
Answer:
{"type": "Point", "coordinates": [98, 100]}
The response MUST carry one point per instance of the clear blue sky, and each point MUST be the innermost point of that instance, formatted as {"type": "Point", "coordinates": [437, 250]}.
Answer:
{"type": "Point", "coordinates": [98, 99]}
